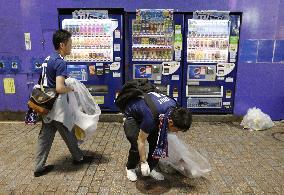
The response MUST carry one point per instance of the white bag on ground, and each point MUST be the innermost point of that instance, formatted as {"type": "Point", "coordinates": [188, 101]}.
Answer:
{"type": "Point", "coordinates": [184, 158]}
{"type": "Point", "coordinates": [255, 119]}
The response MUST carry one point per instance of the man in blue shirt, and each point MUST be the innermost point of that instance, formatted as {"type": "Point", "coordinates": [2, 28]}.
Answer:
{"type": "Point", "coordinates": [140, 125]}
{"type": "Point", "coordinates": [54, 74]}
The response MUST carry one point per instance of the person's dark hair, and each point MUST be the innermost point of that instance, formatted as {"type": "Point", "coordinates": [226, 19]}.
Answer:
{"type": "Point", "coordinates": [182, 118]}
{"type": "Point", "coordinates": [60, 36]}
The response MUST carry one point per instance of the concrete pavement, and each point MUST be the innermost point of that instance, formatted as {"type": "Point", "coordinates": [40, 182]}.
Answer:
{"type": "Point", "coordinates": [243, 162]}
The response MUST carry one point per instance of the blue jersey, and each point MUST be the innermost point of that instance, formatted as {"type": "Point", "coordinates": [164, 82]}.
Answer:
{"type": "Point", "coordinates": [139, 110]}
{"type": "Point", "coordinates": [54, 66]}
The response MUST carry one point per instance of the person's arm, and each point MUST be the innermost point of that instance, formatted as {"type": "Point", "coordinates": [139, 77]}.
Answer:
{"type": "Point", "coordinates": [142, 137]}
{"type": "Point", "coordinates": [60, 85]}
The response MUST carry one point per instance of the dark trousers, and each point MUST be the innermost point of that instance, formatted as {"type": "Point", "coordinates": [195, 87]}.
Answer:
{"type": "Point", "coordinates": [131, 129]}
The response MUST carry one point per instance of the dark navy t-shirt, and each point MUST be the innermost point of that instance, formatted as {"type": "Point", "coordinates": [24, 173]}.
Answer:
{"type": "Point", "coordinates": [54, 66]}
{"type": "Point", "coordinates": [139, 110]}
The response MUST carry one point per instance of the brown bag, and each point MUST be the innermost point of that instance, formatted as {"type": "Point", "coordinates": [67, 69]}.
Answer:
{"type": "Point", "coordinates": [42, 100]}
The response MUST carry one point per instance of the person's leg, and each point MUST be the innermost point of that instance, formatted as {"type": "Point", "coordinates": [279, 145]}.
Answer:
{"type": "Point", "coordinates": [45, 139]}
{"type": "Point", "coordinates": [131, 130]}
{"type": "Point", "coordinates": [70, 140]}
{"type": "Point", "coordinates": [152, 140]}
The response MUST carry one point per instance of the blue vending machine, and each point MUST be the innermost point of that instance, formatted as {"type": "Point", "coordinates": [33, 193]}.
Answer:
{"type": "Point", "coordinates": [155, 49]}
{"type": "Point", "coordinates": [97, 57]}
{"type": "Point", "coordinates": [210, 63]}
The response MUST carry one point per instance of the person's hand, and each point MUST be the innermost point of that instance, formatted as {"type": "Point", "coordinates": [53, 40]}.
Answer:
{"type": "Point", "coordinates": [145, 169]}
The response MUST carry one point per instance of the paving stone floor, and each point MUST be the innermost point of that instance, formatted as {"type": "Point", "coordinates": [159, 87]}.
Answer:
{"type": "Point", "coordinates": [243, 162]}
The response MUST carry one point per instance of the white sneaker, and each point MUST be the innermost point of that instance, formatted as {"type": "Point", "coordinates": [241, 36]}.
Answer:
{"type": "Point", "coordinates": [156, 175]}
{"type": "Point", "coordinates": [131, 174]}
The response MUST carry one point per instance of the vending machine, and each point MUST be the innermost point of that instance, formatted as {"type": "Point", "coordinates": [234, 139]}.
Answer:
{"type": "Point", "coordinates": [210, 64]}
{"type": "Point", "coordinates": [97, 56]}
{"type": "Point", "coordinates": [155, 49]}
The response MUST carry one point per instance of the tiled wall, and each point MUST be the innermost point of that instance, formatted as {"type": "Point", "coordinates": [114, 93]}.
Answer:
{"type": "Point", "coordinates": [262, 51]}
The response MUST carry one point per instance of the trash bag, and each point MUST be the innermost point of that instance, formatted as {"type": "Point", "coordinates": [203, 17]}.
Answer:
{"type": "Point", "coordinates": [255, 119]}
{"type": "Point", "coordinates": [86, 110]}
{"type": "Point", "coordinates": [184, 159]}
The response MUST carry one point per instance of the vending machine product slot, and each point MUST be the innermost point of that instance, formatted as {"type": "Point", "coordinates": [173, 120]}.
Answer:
{"type": "Point", "coordinates": [202, 103]}
{"type": "Point", "coordinates": [98, 89]}
{"type": "Point", "coordinates": [204, 91]}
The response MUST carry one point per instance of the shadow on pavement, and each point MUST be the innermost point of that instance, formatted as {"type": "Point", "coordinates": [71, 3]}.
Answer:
{"type": "Point", "coordinates": [64, 163]}
{"type": "Point", "coordinates": [148, 185]}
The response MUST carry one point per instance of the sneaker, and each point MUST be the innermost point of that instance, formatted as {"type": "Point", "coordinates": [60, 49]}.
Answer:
{"type": "Point", "coordinates": [131, 174]}
{"type": "Point", "coordinates": [46, 169]}
{"type": "Point", "coordinates": [156, 175]}
{"type": "Point", "coordinates": [85, 160]}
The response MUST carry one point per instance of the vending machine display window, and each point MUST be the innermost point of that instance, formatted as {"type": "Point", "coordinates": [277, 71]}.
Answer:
{"type": "Point", "coordinates": [201, 72]}
{"type": "Point", "coordinates": [153, 35]}
{"type": "Point", "coordinates": [208, 41]}
{"type": "Point", "coordinates": [92, 39]}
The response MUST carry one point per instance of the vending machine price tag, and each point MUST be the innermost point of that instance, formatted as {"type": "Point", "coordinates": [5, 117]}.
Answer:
{"type": "Point", "coordinates": [229, 80]}
{"type": "Point", "coordinates": [226, 103]}
{"type": "Point", "coordinates": [116, 74]}
{"type": "Point", "coordinates": [99, 64]}
{"type": "Point", "coordinates": [175, 77]}
{"type": "Point", "coordinates": [116, 47]}
{"type": "Point", "coordinates": [117, 34]}
{"type": "Point", "coordinates": [117, 58]}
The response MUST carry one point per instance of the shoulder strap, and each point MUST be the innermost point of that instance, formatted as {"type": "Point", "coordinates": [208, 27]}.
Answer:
{"type": "Point", "coordinates": [42, 77]}
{"type": "Point", "coordinates": [39, 79]}
{"type": "Point", "coordinates": [149, 102]}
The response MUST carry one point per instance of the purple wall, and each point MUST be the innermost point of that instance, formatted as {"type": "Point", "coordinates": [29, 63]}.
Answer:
{"type": "Point", "coordinates": [259, 80]}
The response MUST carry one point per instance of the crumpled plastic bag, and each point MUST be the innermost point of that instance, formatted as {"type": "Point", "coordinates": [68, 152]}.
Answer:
{"type": "Point", "coordinates": [86, 110]}
{"type": "Point", "coordinates": [255, 119]}
{"type": "Point", "coordinates": [184, 159]}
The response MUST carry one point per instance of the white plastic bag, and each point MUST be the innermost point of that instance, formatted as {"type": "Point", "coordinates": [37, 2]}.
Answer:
{"type": "Point", "coordinates": [184, 159]}
{"type": "Point", "coordinates": [255, 119]}
{"type": "Point", "coordinates": [86, 110]}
